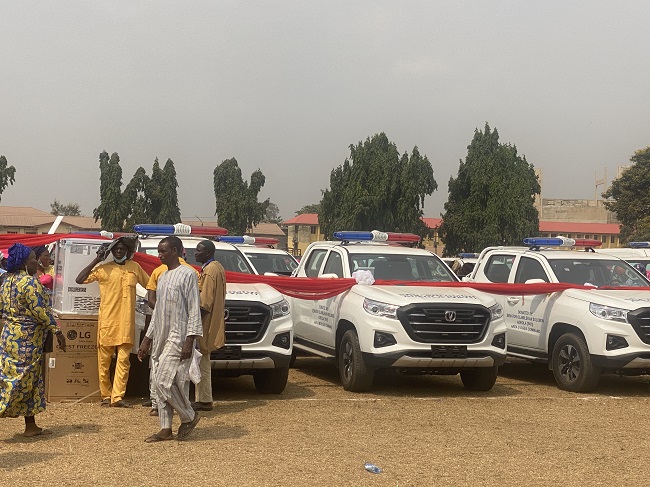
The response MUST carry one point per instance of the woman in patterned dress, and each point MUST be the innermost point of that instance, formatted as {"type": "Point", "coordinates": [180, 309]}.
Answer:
{"type": "Point", "coordinates": [26, 318]}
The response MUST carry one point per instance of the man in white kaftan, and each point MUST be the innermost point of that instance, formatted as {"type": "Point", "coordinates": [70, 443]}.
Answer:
{"type": "Point", "coordinates": [175, 324]}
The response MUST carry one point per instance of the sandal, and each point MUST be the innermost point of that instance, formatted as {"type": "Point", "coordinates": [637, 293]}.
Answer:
{"type": "Point", "coordinates": [185, 429]}
{"type": "Point", "coordinates": [120, 404]}
{"type": "Point", "coordinates": [155, 438]}
{"type": "Point", "coordinates": [153, 412]}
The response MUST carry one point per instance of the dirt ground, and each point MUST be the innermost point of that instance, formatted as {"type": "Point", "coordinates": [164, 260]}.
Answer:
{"type": "Point", "coordinates": [421, 430]}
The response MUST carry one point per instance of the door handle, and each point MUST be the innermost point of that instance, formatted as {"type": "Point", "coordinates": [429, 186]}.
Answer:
{"type": "Point", "coordinates": [512, 299]}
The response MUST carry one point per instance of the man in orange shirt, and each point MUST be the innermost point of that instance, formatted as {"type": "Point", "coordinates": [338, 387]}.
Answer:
{"type": "Point", "coordinates": [116, 323]}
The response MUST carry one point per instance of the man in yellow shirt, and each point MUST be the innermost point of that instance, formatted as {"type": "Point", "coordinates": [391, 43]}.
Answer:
{"type": "Point", "coordinates": [152, 285]}
{"type": "Point", "coordinates": [116, 323]}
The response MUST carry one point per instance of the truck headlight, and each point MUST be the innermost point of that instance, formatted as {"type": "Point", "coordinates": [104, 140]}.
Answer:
{"type": "Point", "coordinates": [496, 312]}
{"type": "Point", "coordinates": [608, 312]}
{"type": "Point", "coordinates": [279, 309]}
{"type": "Point", "coordinates": [377, 308]}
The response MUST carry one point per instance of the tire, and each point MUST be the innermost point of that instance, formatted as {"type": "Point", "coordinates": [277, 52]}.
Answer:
{"type": "Point", "coordinates": [271, 381]}
{"type": "Point", "coordinates": [481, 379]}
{"type": "Point", "coordinates": [355, 375]}
{"type": "Point", "coordinates": [572, 365]}
{"type": "Point", "coordinates": [292, 362]}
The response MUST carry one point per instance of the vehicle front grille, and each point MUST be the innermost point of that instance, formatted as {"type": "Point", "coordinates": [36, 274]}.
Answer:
{"type": "Point", "coordinates": [246, 321]}
{"type": "Point", "coordinates": [640, 321]}
{"type": "Point", "coordinates": [444, 323]}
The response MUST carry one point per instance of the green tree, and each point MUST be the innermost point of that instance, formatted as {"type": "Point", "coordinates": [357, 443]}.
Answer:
{"type": "Point", "coordinates": [110, 209]}
{"type": "Point", "coordinates": [631, 199]}
{"type": "Point", "coordinates": [135, 199]}
{"type": "Point", "coordinates": [237, 207]}
{"type": "Point", "coordinates": [272, 214]}
{"type": "Point", "coordinates": [313, 208]}
{"type": "Point", "coordinates": [169, 210]}
{"type": "Point", "coordinates": [491, 201]}
{"type": "Point", "coordinates": [71, 209]}
{"type": "Point", "coordinates": [7, 174]}
{"type": "Point", "coordinates": [155, 194]}
{"type": "Point", "coordinates": [376, 188]}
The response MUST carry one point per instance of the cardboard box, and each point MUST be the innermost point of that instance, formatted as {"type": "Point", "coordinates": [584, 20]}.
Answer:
{"type": "Point", "coordinates": [71, 377]}
{"type": "Point", "coordinates": [80, 335]}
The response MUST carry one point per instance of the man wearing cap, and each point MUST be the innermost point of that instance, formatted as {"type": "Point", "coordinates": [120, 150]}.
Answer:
{"type": "Point", "coordinates": [117, 281]}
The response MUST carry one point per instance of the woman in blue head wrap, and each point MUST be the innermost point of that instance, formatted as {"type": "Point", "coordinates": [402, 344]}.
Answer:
{"type": "Point", "coordinates": [27, 317]}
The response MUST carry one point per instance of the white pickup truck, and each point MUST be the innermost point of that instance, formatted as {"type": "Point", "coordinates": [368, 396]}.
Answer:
{"type": "Point", "coordinates": [258, 327]}
{"type": "Point", "coordinates": [579, 333]}
{"type": "Point", "coordinates": [413, 329]}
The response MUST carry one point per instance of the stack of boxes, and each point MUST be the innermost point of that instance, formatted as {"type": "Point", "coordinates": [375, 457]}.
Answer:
{"type": "Point", "coordinates": [73, 375]}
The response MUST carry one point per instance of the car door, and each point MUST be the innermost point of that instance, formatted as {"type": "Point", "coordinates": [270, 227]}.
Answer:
{"type": "Point", "coordinates": [325, 312]}
{"type": "Point", "coordinates": [528, 313]}
{"type": "Point", "coordinates": [301, 309]}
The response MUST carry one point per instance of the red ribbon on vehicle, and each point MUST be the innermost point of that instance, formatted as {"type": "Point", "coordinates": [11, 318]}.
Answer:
{"type": "Point", "coordinates": [317, 288]}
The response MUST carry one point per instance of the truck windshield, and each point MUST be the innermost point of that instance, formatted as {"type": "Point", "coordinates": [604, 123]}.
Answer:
{"type": "Point", "coordinates": [231, 260]}
{"type": "Point", "coordinates": [276, 263]}
{"type": "Point", "coordinates": [402, 267]}
{"type": "Point", "coordinates": [597, 273]}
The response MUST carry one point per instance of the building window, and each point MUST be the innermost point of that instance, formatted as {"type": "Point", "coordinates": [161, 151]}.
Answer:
{"type": "Point", "coordinates": [312, 229]}
{"type": "Point", "coordinates": [603, 238]}
{"type": "Point", "coordinates": [612, 239]}
{"type": "Point", "coordinates": [587, 236]}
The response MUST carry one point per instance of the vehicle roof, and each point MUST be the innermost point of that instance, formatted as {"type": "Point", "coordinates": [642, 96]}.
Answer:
{"type": "Point", "coordinates": [254, 249]}
{"type": "Point", "coordinates": [373, 248]}
{"type": "Point", "coordinates": [625, 253]}
{"type": "Point", "coordinates": [551, 253]}
{"type": "Point", "coordinates": [188, 242]}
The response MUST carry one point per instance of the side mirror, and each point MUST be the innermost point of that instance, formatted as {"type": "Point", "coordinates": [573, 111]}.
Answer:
{"type": "Point", "coordinates": [535, 281]}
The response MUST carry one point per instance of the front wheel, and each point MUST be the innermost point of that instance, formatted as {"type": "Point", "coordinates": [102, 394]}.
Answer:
{"type": "Point", "coordinates": [271, 381]}
{"type": "Point", "coordinates": [572, 365]}
{"type": "Point", "coordinates": [481, 379]}
{"type": "Point", "coordinates": [356, 376]}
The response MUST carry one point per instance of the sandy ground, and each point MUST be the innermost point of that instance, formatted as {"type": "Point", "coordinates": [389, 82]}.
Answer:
{"type": "Point", "coordinates": [421, 430]}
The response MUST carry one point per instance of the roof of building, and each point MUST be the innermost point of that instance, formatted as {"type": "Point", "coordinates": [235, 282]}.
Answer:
{"type": "Point", "coordinates": [27, 217]}
{"type": "Point", "coordinates": [303, 219]}
{"type": "Point", "coordinates": [432, 222]}
{"type": "Point", "coordinates": [21, 211]}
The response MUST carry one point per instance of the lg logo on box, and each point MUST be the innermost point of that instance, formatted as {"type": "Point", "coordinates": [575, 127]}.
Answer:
{"type": "Point", "coordinates": [72, 334]}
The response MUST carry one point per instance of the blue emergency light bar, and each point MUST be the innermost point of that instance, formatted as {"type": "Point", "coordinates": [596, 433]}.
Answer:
{"type": "Point", "coordinates": [246, 239]}
{"type": "Point", "coordinates": [178, 229]}
{"type": "Point", "coordinates": [639, 245]}
{"type": "Point", "coordinates": [562, 242]}
{"type": "Point", "coordinates": [376, 236]}
{"type": "Point", "coordinates": [468, 255]}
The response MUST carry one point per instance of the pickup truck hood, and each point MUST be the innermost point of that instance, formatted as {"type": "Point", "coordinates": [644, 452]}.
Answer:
{"type": "Point", "coordinates": [240, 292]}
{"type": "Point", "coordinates": [252, 292]}
{"type": "Point", "coordinates": [403, 295]}
{"type": "Point", "coordinates": [625, 299]}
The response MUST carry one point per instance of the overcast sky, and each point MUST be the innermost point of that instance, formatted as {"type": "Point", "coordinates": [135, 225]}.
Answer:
{"type": "Point", "coordinates": [287, 87]}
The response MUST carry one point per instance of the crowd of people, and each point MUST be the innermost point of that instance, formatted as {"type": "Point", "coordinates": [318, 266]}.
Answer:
{"type": "Point", "coordinates": [186, 321]}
